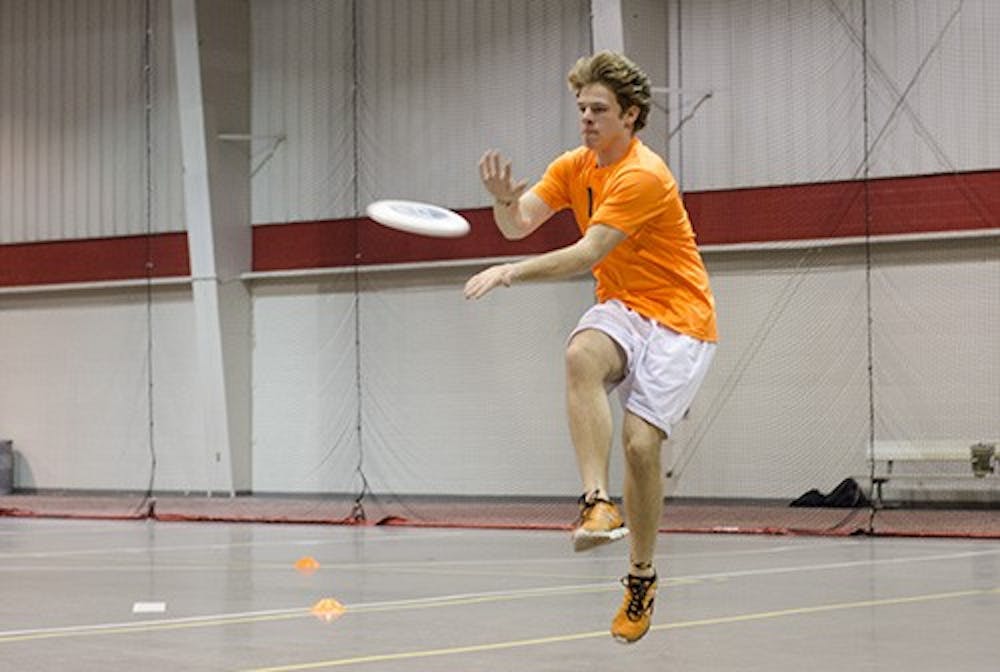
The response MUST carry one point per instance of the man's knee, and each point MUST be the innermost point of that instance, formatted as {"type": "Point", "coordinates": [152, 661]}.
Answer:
{"type": "Point", "coordinates": [642, 455]}
{"type": "Point", "coordinates": [592, 355]}
{"type": "Point", "coordinates": [641, 444]}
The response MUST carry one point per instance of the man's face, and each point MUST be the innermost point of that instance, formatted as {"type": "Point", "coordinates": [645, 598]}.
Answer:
{"type": "Point", "coordinates": [602, 122]}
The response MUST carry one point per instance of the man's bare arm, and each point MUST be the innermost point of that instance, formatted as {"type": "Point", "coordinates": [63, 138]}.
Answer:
{"type": "Point", "coordinates": [565, 262]}
{"type": "Point", "coordinates": [517, 211]}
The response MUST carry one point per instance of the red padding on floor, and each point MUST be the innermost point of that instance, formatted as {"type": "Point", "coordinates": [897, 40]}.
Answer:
{"type": "Point", "coordinates": [495, 513]}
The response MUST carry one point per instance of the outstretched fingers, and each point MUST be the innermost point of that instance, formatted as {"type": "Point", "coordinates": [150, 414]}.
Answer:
{"type": "Point", "coordinates": [485, 281]}
{"type": "Point", "coordinates": [496, 175]}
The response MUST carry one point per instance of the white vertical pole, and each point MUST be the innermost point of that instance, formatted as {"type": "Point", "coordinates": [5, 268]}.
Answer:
{"type": "Point", "coordinates": [675, 98]}
{"type": "Point", "coordinates": [197, 195]}
{"type": "Point", "coordinates": [606, 25]}
{"type": "Point", "coordinates": [218, 229]}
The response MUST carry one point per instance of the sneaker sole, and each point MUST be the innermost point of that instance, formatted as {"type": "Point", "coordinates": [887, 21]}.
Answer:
{"type": "Point", "coordinates": [625, 640]}
{"type": "Point", "coordinates": [583, 540]}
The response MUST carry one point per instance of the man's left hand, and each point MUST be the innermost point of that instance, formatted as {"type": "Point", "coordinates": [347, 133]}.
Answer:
{"type": "Point", "coordinates": [494, 276]}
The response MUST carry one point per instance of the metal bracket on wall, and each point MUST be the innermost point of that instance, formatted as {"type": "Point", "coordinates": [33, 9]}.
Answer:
{"type": "Point", "coordinates": [275, 141]}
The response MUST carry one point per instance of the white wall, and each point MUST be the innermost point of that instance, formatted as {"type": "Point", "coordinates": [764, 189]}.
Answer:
{"type": "Point", "coordinates": [467, 398]}
{"type": "Point", "coordinates": [937, 360]}
{"type": "Point", "coordinates": [456, 397]}
{"type": "Point", "coordinates": [785, 407]}
{"type": "Point", "coordinates": [305, 399]}
{"type": "Point", "coordinates": [472, 400]}
{"type": "Point", "coordinates": [75, 394]}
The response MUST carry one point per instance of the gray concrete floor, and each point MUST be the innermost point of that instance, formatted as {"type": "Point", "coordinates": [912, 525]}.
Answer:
{"type": "Point", "coordinates": [446, 600]}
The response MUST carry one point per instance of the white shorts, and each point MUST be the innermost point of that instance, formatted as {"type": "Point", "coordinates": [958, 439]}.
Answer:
{"type": "Point", "coordinates": [664, 368]}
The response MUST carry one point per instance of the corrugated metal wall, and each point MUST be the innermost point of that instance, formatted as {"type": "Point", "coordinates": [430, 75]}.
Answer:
{"type": "Point", "coordinates": [443, 81]}
{"type": "Point", "coordinates": [787, 80]}
{"type": "Point", "coordinates": [438, 82]}
{"type": "Point", "coordinates": [302, 89]}
{"type": "Point", "coordinates": [945, 57]}
{"type": "Point", "coordinates": [72, 121]}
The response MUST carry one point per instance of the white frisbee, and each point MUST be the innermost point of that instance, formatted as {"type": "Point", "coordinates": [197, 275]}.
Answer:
{"type": "Point", "coordinates": [417, 217]}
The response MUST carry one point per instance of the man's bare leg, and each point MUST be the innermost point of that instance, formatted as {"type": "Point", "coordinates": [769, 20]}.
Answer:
{"type": "Point", "coordinates": [643, 506]}
{"type": "Point", "coordinates": [643, 490]}
{"type": "Point", "coordinates": [593, 360]}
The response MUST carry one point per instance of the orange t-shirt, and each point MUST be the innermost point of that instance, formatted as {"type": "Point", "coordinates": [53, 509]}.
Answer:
{"type": "Point", "coordinates": [657, 270]}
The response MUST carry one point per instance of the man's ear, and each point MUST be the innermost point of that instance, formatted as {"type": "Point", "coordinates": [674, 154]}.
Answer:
{"type": "Point", "coordinates": [630, 115]}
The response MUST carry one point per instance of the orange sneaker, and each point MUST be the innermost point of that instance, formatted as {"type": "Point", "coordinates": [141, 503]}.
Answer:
{"type": "Point", "coordinates": [599, 523]}
{"type": "Point", "coordinates": [633, 617]}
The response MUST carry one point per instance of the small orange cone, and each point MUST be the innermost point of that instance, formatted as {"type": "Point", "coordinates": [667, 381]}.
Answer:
{"type": "Point", "coordinates": [306, 565]}
{"type": "Point", "coordinates": [328, 609]}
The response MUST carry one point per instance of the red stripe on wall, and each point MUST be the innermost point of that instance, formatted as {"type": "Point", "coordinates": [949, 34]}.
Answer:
{"type": "Point", "coordinates": [94, 260]}
{"type": "Point", "coordinates": [793, 212]}
{"type": "Point", "coordinates": [957, 202]}
{"type": "Point", "coordinates": [345, 242]}
{"type": "Point", "coordinates": [904, 205]}
{"type": "Point", "coordinates": [900, 205]}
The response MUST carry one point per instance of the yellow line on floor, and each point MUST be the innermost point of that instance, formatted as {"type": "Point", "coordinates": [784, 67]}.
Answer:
{"type": "Point", "coordinates": [282, 615]}
{"type": "Point", "coordinates": [130, 628]}
{"type": "Point", "coordinates": [558, 639]}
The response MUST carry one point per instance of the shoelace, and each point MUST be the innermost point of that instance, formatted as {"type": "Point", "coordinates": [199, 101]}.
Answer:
{"type": "Point", "coordinates": [637, 587]}
{"type": "Point", "coordinates": [586, 505]}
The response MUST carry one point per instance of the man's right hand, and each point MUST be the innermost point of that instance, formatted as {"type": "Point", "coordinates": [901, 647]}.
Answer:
{"type": "Point", "coordinates": [495, 173]}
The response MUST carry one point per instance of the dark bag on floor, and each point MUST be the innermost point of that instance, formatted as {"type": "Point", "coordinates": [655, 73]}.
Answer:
{"type": "Point", "coordinates": [848, 494]}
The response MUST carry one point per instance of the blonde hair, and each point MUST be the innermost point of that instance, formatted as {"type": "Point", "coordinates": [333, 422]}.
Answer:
{"type": "Point", "coordinates": [625, 79]}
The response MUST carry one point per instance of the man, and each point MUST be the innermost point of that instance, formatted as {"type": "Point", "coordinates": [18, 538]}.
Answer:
{"type": "Point", "coordinates": [652, 333]}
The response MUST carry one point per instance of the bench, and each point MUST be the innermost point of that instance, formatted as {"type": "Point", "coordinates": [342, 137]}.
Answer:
{"type": "Point", "coordinates": [980, 457]}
